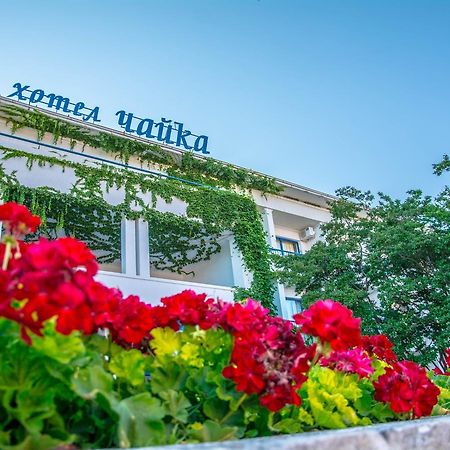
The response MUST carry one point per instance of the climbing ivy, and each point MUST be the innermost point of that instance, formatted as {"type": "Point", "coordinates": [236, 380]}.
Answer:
{"type": "Point", "coordinates": [117, 146]}
{"type": "Point", "coordinates": [175, 241]}
{"type": "Point", "coordinates": [68, 215]}
{"type": "Point", "coordinates": [210, 171]}
{"type": "Point", "coordinates": [188, 166]}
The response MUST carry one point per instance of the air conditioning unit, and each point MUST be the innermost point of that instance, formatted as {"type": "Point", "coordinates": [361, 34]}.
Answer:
{"type": "Point", "coordinates": [307, 234]}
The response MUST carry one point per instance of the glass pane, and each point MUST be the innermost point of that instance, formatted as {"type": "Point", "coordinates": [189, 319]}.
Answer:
{"type": "Point", "coordinates": [279, 243]}
{"type": "Point", "coordinates": [296, 304]}
{"type": "Point", "coordinates": [289, 246]}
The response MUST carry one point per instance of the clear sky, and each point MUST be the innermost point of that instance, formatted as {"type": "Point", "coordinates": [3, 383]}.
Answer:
{"type": "Point", "coordinates": [321, 93]}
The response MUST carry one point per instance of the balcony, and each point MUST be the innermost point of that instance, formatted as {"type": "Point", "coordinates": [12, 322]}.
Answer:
{"type": "Point", "coordinates": [283, 252]}
{"type": "Point", "coordinates": [286, 246]}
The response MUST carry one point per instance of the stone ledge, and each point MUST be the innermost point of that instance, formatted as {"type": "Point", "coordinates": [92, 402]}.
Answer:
{"type": "Point", "coordinates": [431, 433]}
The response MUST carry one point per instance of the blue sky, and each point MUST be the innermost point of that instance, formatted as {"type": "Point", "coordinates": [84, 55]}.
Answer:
{"type": "Point", "coordinates": [321, 93]}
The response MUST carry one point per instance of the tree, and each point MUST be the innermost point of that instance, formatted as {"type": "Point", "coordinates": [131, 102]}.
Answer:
{"type": "Point", "coordinates": [389, 261]}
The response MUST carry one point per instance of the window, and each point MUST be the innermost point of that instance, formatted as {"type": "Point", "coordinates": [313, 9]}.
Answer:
{"type": "Point", "coordinates": [294, 306]}
{"type": "Point", "coordinates": [288, 246]}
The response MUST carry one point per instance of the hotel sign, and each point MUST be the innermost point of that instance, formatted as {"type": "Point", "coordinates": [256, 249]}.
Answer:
{"type": "Point", "coordinates": [164, 130]}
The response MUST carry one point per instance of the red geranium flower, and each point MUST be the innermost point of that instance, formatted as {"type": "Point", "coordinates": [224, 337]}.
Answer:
{"type": "Point", "coordinates": [280, 396]}
{"type": "Point", "coordinates": [236, 317]}
{"type": "Point", "coordinates": [17, 219]}
{"type": "Point", "coordinates": [247, 373]}
{"type": "Point", "coordinates": [268, 358]}
{"type": "Point", "coordinates": [350, 361]}
{"type": "Point", "coordinates": [63, 254]}
{"type": "Point", "coordinates": [133, 322]}
{"type": "Point", "coordinates": [406, 388]}
{"type": "Point", "coordinates": [332, 322]}
{"type": "Point", "coordinates": [380, 346]}
{"type": "Point", "coordinates": [188, 308]}
{"type": "Point", "coordinates": [104, 302]}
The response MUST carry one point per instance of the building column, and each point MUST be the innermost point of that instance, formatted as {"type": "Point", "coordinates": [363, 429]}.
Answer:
{"type": "Point", "coordinates": [128, 246]}
{"type": "Point", "coordinates": [280, 296]}
{"type": "Point", "coordinates": [241, 277]}
{"type": "Point", "coordinates": [142, 249]}
{"type": "Point", "coordinates": [269, 227]}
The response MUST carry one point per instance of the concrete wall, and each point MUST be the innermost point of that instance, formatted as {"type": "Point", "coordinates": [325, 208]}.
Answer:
{"type": "Point", "coordinates": [424, 434]}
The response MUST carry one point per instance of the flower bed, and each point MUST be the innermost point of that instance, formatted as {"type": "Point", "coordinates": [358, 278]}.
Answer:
{"type": "Point", "coordinates": [83, 366]}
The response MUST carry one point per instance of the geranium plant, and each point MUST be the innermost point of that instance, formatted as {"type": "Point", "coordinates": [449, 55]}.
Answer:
{"type": "Point", "coordinates": [81, 365]}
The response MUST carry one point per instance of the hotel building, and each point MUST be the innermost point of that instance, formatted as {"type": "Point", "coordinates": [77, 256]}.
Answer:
{"type": "Point", "coordinates": [37, 152]}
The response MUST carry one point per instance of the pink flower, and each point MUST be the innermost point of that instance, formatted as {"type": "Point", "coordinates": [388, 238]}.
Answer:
{"type": "Point", "coordinates": [350, 361]}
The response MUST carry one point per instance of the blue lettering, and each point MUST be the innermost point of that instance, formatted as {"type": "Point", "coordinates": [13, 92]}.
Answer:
{"type": "Point", "coordinates": [182, 135]}
{"type": "Point", "coordinates": [148, 124]}
{"type": "Point", "coordinates": [161, 127]}
{"type": "Point", "coordinates": [145, 127]}
{"type": "Point", "coordinates": [20, 90]}
{"type": "Point", "coordinates": [76, 109]}
{"type": "Point", "coordinates": [61, 102]}
{"type": "Point", "coordinates": [92, 115]}
{"type": "Point", "coordinates": [36, 96]}
{"type": "Point", "coordinates": [125, 124]}
{"type": "Point", "coordinates": [204, 140]}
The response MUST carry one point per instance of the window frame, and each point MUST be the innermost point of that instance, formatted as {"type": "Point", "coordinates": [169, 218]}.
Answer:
{"type": "Point", "coordinates": [281, 239]}
{"type": "Point", "coordinates": [297, 301]}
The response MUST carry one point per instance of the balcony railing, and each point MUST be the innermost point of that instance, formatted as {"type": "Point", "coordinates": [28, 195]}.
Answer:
{"type": "Point", "coordinates": [284, 252]}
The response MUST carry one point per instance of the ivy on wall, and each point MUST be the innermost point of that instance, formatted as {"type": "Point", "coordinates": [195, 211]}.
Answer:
{"type": "Point", "coordinates": [68, 215]}
{"type": "Point", "coordinates": [117, 146]}
{"type": "Point", "coordinates": [205, 170]}
{"type": "Point", "coordinates": [175, 241]}
{"type": "Point", "coordinates": [219, 204]}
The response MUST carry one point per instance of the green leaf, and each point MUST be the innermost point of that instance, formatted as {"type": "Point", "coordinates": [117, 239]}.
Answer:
{"type": "Point", "coordinates": [443, 382]}
{"type": "Point", "coordinates": [175, 405]}
{"type": "Point", "coordinates": [62, 348]}
{"type": "Point", "coordinates": [165, 378]}
{"type": "Point", "coordinates": [212, 431]}
{"type": "Point", "coordinates": [38, 442]}
{"type": "Point", "coordinates": [87, 382]}
{"type": "Point", "coordinates": [129, 365]}
{"type": "Point", "coordinates": [226, 390]}
{"type": "Point", "coordinates": [331, 398]}
{"type": "Point", "coordinates": [215, 408]}
{"type": "Point", "coordinates": [140, 421]}
{"type": "Point", "coordinates": [287, 426]}
{"type": "Point", "coordinates": [165, 341]}
{"type": "Point", "coordinates": [34, 405]}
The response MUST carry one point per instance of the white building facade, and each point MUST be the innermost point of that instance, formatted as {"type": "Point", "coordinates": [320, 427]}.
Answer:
{"type": "Point", "coordinates": [291, 217]}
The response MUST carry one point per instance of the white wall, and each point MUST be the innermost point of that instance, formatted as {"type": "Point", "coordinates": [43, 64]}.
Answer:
{"type": "Point", "coordinates": [288, 233]}
{"type": "Point", "coordinates": [293, 207]}
{"type": "Point", "coordinates": [216, 271]}
{"type": "Point", "coordinates": [151, 290]}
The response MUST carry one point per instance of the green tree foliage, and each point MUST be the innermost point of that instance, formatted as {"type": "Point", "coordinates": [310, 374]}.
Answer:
{"type": "Point", "coordinates": [443, 166]}
{"type": "Point", "coordinates": [389, 261]}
